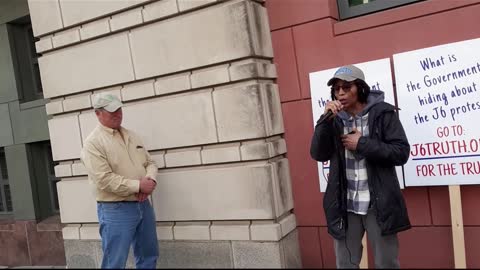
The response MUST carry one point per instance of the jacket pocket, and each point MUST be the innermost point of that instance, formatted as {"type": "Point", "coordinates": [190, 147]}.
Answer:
{"type": "Point", "coordinates": [140, 155]}
{"type": "Point", "coordinates": [336, 222]}
{"type": "Point", "coordinates": [337, 228]}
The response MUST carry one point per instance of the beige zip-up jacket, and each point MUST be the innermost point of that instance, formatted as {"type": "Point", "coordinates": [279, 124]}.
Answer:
{"type": "Point", "coordinates": [115, 164]}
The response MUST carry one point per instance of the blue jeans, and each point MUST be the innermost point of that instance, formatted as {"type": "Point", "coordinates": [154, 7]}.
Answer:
{"type": "Point", "coordinates": [123, 224]}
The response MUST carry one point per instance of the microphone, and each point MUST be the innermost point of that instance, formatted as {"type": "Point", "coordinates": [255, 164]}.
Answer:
{"type": "Point", "coordinates": [327, 115]}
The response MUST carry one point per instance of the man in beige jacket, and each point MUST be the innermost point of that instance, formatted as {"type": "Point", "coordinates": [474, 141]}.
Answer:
{"type": "Point", "coordinates": [124, 176]}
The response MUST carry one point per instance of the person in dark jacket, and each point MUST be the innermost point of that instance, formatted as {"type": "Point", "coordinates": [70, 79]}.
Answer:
{"type": "Point", "coordinates": [364, 140]}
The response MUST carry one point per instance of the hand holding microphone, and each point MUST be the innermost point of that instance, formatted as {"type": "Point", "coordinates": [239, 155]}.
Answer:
{"type": "Point", "coordinates": [331, 109]}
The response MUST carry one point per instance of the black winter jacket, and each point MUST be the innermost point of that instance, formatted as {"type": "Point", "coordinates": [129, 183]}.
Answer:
{"type": "Point", "coordinates": [385, 147]}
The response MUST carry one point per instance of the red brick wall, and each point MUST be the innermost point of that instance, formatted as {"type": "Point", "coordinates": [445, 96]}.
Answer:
{"type": "Point", "coordinates": [308, 37]}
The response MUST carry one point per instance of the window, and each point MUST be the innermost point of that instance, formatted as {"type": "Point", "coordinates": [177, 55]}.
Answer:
{"type": "Point", "coordinates": [25, 60]}
{"type": "Point", "coordinates": [52, 179]}
{"type": "Point", "coordinates": [5, 198]}
{"type": "Point", "coordinates": [44, 182]}
{"type": "Point", "coordinates": [354, 8]}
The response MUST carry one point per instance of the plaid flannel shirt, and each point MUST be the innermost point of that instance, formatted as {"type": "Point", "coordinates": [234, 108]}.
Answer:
{"type": "Point", "coordinates": [358, 193]}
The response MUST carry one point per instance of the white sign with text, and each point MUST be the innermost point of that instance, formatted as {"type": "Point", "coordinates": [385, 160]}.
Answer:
{"type": "Point", "coordinates": [377, 74]}
{"type": "Point", "coordinates": [438, 89]}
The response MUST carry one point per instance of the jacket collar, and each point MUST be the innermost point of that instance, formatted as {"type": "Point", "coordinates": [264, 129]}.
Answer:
{"type": "Point", "coordinates": [112, 132]}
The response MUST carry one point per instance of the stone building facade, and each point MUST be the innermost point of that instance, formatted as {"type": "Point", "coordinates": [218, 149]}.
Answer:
{"type": "Point", "coordinates": [198, 84]}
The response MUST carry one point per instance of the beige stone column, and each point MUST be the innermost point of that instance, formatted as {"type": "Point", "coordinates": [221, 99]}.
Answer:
{"type": "Point", "coordinates": [197, 81]}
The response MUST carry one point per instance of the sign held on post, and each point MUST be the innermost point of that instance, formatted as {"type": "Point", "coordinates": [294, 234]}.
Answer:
{"type": "Point", "coordinates": [439, 88]}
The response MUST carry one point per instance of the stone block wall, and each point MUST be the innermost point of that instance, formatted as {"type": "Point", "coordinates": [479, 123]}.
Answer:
{"type": "Point", "coordinates": [198, 84]}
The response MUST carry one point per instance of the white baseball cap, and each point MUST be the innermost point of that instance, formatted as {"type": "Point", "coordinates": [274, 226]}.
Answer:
{"type": "Point", "coordinates": [107, 102]}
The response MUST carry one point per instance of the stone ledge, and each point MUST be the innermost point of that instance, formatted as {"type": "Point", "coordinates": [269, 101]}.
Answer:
{"type": "Point", "coordinates": [165, 230]}
{"type": "Point", "coordinates": [288, 224]}
{"type": "Point", "coordinates": [265, 231]}
{"type": "Point", "coordinates": [78, 168]}
{"type": "Point", "coordinates": [77, 102]}
{"type": "Point", "coordinates": [44, 44]}
{"type": "Point", "coordinates": [221, 153]}
{"type": "Point", "coordinates": [55, 106]}
{"type": "Point", "coordinates": [183, 157]}
{"type": "Point", "coordinates": [252, 68]}
{"type": "Point", "coordinates": [126, 19]}
{"type": "Point", "coordinates": [230, 230]}
{"type": "Point", "coordinates": [191, 231]}
{"type": "Point", "coordinates": [90, 232]}
{"type": "Point", "coordinates": [210, 76]}
{"type": "Point", "coordinates": [160, 9]}
{"type": "Point", "coordinates": [66, 37]}
{"type": "Point", "coordinates": [138, 90]}
{"type": "Point", "coordinates": [217, 154]}
{"type": "Point", "coordinates": [184, 5]}
{"type": "Point", "coordinates": [71, 231]}
{"type": "Point", "coordinates": [64, 169]}
{"type": "Point", "coordinates": [240, 230]}
{"type": "Point", "coordinates": [94, 29]}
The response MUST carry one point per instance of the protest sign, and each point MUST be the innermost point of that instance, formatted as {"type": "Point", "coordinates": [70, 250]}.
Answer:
{"type": "Point", "coordinates": [438, 91]}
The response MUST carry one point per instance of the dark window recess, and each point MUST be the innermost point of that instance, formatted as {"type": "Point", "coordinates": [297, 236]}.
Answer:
{"type": "Point", "coordinates": [353, 8]}
{"type": "Point", "coordinates": [5, 197]}
{"type": "Point", "coordinates": [3, 165]}
{"type": "Point", "coordinates": [44, 181]}
{"type": "Point", "coordinates": [52, 179]}
{"type": "Point", "coordinates": [25, 60]}
{"type": "Point", "coordinates": [8, 198]}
